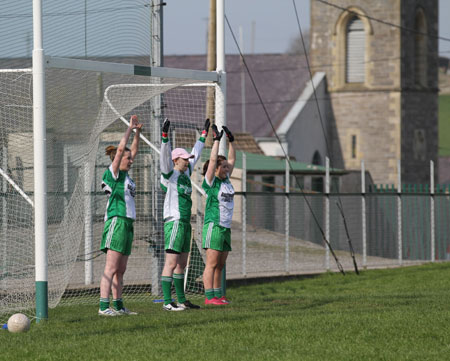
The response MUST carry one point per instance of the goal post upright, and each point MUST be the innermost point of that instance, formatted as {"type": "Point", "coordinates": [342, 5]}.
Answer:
{"type": "Point", "coordinates": [220, 69]}
{"type": "Point", "coordinates": [40, 171]}
{"type": "Point", "coordinates": [221, 101]}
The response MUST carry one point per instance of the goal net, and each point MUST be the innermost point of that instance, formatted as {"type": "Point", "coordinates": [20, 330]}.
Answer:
{"type": "Point", "coordinates": [87, 111]}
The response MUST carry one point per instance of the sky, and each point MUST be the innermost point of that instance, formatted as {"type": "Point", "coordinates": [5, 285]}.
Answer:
{"type": "Point", "coordinates": [275, 25]}
{"type": "Point", "coordinates": [118, 27]}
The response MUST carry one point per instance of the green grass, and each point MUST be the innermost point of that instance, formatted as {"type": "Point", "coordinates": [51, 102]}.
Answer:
{"type": "Point", "coordinates": [399, 314]}
{"type": "Point", "coordinates": [444, 125]}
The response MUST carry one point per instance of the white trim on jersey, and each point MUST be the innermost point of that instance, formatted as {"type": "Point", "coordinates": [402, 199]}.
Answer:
{"type": "Point", "coordinates": [208, 235]}
{"type": "Point", "coordinates": [173, 235]}
{"type": "Point", "coordinates": [110, 232]}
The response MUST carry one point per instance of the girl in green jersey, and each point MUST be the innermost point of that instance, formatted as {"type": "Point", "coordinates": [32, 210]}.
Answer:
{"type": "Point", "coordinates": [218, 216]}
{"type": "Point", "coordinates": [176, 169]}
{"type": "Point", "coordinates": [119, 218]}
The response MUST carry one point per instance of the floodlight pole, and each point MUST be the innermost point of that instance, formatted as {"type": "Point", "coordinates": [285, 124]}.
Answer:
{"type": "Point", "coordinates": [40, 161]}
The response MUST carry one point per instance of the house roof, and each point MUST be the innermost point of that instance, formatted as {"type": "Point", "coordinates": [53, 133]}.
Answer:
{"type": "Point", "coordinates": [279, 78]}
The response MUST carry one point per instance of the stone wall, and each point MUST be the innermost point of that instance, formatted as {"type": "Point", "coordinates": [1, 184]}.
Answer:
{"type": "Point", "coordinates": [389, 115]}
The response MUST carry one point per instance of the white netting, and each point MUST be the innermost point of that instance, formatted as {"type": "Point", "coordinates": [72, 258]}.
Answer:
{"type": "Point", "coordinates": [84, 115]}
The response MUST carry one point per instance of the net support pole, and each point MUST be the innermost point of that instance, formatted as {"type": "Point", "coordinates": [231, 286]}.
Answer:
{"type": "Point", "coordinates": [244, 214]}
{"type": "Point", "coordinates": [286, 220]}
{"type": "Point", "coordinates": [221, 90]}
{"type": "Point", "coordinates": [327, 212]}
{"type": "Point", "coordinates": [40, 171]}
{"type": "Point", "coordinates": [88, 232]}
{"type": "Point", "coordinates": [363, 214]}
{"type": "Point", "coordinates": [432, 214]}
{"type": "Point", "coordinates": [157, 60]}
{"type": "Point", "coordinates": [399, 213]}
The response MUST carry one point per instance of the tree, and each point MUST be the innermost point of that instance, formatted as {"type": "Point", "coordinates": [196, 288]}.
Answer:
{"type": "Point", "coordinates": [296, 44]}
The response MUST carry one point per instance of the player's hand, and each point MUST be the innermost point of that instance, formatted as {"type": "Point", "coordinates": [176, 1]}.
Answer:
{"type": "Point", "coordinates": [166, 126]}
{"type": "Point", "coordinates": [206, 128]}
{"type": "Point", "coordinates": [139, 127]}
{"type": "Point", "coordinates": [134, 122]}
{"type": "Point", "coordinates": [216, 134]}
{"type": "Point", "coordinates": [230, 136]}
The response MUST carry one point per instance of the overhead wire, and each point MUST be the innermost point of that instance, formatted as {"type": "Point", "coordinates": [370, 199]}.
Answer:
{"type": "Point", "coordinates": [339, 265]}
{"type": "Point", "coordinates": [339, 203]}
{"type": "Point", "coordinates": [383, 21]}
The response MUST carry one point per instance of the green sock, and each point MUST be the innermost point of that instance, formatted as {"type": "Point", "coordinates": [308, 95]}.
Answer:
{"type": "Point", "coordinates": [209, 293]}
{"type": "Point", "coordinates": [178, 282]}
{"type": "Point", "coordinates": [218, 292]}
{"type": "Point", "coordinates": [104, 303]}
{"type": "Point", "coordinates": [166, 283]}
{"type": "Point", "coordinates": [118, 304]}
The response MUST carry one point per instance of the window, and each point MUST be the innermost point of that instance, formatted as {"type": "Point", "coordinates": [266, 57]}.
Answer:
{"type": "Point", "coordinates": [355, 51]}
{"type": "Point", "coordinates": [317, 184]}
{"type": "Point", "coordinates": [268, 184]}
{"type": "Point", "coordinates": [354, 146]}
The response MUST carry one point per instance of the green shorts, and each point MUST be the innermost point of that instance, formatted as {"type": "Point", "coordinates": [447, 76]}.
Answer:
{"type": "Point", "coordinates": [216, 237]}
{"type": "Point", "coordinates": [118, 235]}
{"type": "Point", "coordinates": [177, 236]}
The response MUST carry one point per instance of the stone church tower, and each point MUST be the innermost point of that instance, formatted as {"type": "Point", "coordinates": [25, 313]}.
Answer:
{"type": "Point", "coordinates": [382, 81]}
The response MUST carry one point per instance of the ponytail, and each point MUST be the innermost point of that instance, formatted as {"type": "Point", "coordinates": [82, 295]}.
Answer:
{"type": "Point", "coordinates": [111, 151]}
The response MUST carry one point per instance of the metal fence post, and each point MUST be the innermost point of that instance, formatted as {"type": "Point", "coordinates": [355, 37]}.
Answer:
{"type": "Point", "coordinates": [399, 213]}
{"type": "Point", "coordinates": [363, 214]}
{"type": "Point", "coordinates": [286, 216]}
{"type": "Point", "coordinates": [244, 214]}
{"type": "Point", "coordinates": [432, 215]}
{"type": "Point", "coordinates": [327, 212]}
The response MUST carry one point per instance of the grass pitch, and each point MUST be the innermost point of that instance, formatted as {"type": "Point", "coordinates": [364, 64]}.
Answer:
{"type": "Point", "coordinates": [397, 314]}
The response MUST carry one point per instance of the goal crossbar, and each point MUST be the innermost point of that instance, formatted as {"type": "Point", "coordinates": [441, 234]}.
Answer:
{"type": "Point", "coordinates": [130, 69]}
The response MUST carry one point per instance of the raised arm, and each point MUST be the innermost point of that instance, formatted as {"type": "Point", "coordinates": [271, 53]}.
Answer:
{"type": "Point", "coordinates": [199, 145]}
{"type": "Point", "coordinates": [209, 175]}
{"type": "Point", "coordinates": [165, 158]}
{"type": "Point", "coordinates": [135, 144]}
{"type": "Point", "coordinates": [231, 150]}
{"type": "Point", "coordinates": [122, 145]}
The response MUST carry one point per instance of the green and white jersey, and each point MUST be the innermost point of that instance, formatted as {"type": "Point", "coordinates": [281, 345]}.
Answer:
{"type": "Point", "coordinates": [219, 201]}
{"type": "Point", "coordinates": [121, 191]}
{"type": "Point", "coordinates": [177, 185]}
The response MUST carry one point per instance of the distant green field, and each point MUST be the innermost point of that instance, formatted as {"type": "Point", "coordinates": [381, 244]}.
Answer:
{"type": "Point", "coordinates": [444, 125]}
{"type": "Point", "coordinates": [397, 314]}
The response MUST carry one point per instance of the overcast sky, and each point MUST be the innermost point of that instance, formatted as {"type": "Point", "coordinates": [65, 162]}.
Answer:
{"type": "Point", "coordinates": [275, 25]}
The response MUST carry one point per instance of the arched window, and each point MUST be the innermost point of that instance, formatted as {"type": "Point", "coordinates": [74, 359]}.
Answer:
{"type": "Point", "coordinates": [420, 48]}
{"type": "Point", "coordinates": [355, 51]}
{"type": "Point", "coordinates": [317, 159]}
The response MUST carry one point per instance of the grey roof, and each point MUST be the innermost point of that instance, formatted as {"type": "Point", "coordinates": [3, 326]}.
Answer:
{"type": "Point", "coordinates": [279, 78]}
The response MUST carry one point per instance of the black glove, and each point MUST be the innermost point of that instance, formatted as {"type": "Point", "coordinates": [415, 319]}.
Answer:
{"type": "Point", "coordinates": [228, 133]}
{"type": "Point", "coordinates": [216, 134]}
{"type": "Point", "coordinates": [206, 128]}
{"type": "Point", "coordinates": [165, 126]}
